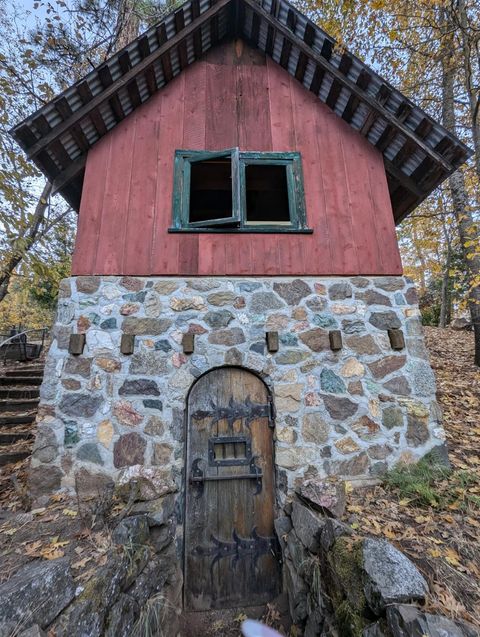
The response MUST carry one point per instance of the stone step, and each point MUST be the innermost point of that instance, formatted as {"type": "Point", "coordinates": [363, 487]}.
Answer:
{"type": "Point", "coordinates": [16, 405]}
{"type": "Point", "coordinates": [12, 420]}
{"type": "Point", "coordinates": [12, 381]}
{"type": "Point", "coordinates": [9, 393]}
{"type": "Point", "coordinates": [24, 371]}
{"type": "Point", "coordinates": [8, 438]}
{"type": "Point", "coordinates": [13, 456]}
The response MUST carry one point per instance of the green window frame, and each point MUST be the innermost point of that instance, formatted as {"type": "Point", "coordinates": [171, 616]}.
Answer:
{"type": "Point", "coordinates": [237, 221]}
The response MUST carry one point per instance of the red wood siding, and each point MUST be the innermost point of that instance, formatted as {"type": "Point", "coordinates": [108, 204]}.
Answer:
{"type": "Point", "coordinates": [234, 97]}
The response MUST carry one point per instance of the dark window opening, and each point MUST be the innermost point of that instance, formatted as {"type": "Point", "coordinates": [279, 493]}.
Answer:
{"type": "Point", "coordinates": [267, 194]}
{"type": "Point", "coordinates": [229, 450]}
{"type": "Point", "coordinates": [210, 190]}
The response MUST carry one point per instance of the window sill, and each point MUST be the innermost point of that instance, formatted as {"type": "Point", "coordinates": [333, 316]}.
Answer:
{"type": "Point", "coordinates": [256, 230]}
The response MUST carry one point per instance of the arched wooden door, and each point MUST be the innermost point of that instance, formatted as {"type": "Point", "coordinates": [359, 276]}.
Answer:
{"type": "Point", "coordinates": [230, 545]}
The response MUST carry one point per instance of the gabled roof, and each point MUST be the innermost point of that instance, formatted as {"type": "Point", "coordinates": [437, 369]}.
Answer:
{"type": "Point", "coordinates": [418, 152]}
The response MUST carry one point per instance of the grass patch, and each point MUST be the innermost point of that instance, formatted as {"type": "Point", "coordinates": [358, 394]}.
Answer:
{"type": "Point", "coordinates": [428, 483]}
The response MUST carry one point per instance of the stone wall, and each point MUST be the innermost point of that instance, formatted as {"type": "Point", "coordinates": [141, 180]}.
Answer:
{"type": "Point", "coordinates": [352, 412]}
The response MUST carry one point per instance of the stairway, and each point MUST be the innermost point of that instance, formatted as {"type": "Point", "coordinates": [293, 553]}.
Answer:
{"type": "Point", "coordinates": [19, 398]}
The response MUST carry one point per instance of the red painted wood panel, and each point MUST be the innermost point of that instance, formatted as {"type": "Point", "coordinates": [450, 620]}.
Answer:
{"type": "Point", "coordinates": [234, 97]}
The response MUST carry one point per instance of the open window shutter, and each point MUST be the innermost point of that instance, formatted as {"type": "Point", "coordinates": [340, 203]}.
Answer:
{"type": "Point", "coordinates": [234, 219]}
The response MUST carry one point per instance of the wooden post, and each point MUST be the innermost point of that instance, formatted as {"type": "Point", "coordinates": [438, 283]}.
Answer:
{"type": "Point", "coordinates": [272, 341]}
{"type": "Point", "coordinates": [397, 341]}
{"type": "Point", "coordinates": [127, 344]}
{"type": "Point", "coordinates": [335, 337]}
{"type": "Point", "coordinates": [188, 343]}
{"type": "Point", "coordinates": [76, 344]}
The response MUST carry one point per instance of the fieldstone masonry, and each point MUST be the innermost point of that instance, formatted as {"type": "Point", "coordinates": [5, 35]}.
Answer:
{"type": "Point", "coordinates": [352, 412]}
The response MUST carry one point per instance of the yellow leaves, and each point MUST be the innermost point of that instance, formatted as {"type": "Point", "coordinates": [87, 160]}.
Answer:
{"type": "Point", "coordinates": [452, 557]}
{"type": "Point", "coordinates": [70, 513]}
{"type": "Point", "coordinates": [435, 552]}
{"type": "Point", "coordinates": [404, 502]}
{"type": "Point", "coordinates": [81, 563]}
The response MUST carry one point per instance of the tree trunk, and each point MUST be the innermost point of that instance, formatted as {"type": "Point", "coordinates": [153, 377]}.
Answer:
{"type": "Point", "coordinates": [29, 238]}
{"type": "Point", "coordinates": [467, 229]}
{"type": "Point", "coordinates": [445, 293]}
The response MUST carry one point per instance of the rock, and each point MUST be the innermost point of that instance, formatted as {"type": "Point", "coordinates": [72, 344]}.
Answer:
{"type": "Point", "coordinates": [72, 384]}
{"type": "Point", "coordinates": [33, 631]}
{"type": "Point", "coordinates": [165, 287]}
{"type": "Point", "coordinates": [315, 429]}
{"type": "Point", "coordinates": [218, 319]}
{"type": "Point", "coordinates": [44, 480]}
{"type": "Point", "coordinates": [331, 531]}
{"type": "Point", "coordinates": [189, 303]}
{"type": "Point", "coordinates": [340, 291]}
{"type": "Point", "coordinates": [290, 356]}
{"type": "Point", "coordinates": [221, 298]}
{"type": "Point", "coordinates": [308, 526]}
{"type": "Point", "coordinates": [126, 414]}
{"type": "Point", "coordinates": [327, 497]}
{"type": "Point", "coordinates": [163, 345]}
{"type": "Point", "coordinates": [316, 339]}
{"type": "Point", "coordinates": [145, 326]}
{"type": "Point", "coordinates": [88, 484]}
{"type": "Point", "coordinates": [297, 593]}
{"type": "Point", "coordinates": [292, 292]}
{"type": "Point", "coordinates": [277, 321]}
{"type": "Point", "coordinates": [398, 385]}
{"type": "Point", "coordinates": [352, 367]}
{"type": "Point", "coordinates": [90, 453]}
{"type": "Point", "coordinates": [62, 334]}
{"type": "Point", "coordinates": [38, 591]}
{"type": "Point", "coordinates": [157, 511]}
{"type": "Point", "coordinates": [87, 284]}
{"type": "Point", "coordinates": [417, 430]}
{"type": "Point", "coordinates": [387, 365]}
{"type": "Point", "coordinates": [132, 283]}
{"type": "Point", "coordinates": [365, 428]}
{"type": "Point", "coordinates": [262, 301]}
{"type": "Point", "coordinates": [292, 457]}
{"type": "Point", "coordinates": [155, 426]}
{"type": "Point", "coordinates": [406, 621]}
{"type": "Point", "coordinates": [287, 397]}
{"type": "Point", "coordinates": [339, 408]}
{"type": "Point", "coordinates": [108, 364]}
{"type": "Point", "coordinates": [129, 450]}
{"type": "Point", "coordinates": [105, 433]}
{"type": "Point", "coordinates": [151, 482]}
{"type": "Point", "coordinates": [122, 617]}
{"type": "Point", "coordinates": [109, 324]}
{"type": "Point", "coordinates": [283, 526]}
{"type": "Point", "coordinates": [390, 283]}
{"type": "Point", "coordinates": [389, 576]}
{"type": "Point", "coordinates": [80, 405]}
{"type": "Point", "coordinates": [392, 417]}
{"type": "Point", "coordinates": [162, 453]}
{"type": "Point", "coordinates": [460, 324]}
{"type": "Point", "coordinates": [422, 378]}
{"type": "Point", "coordinates": [332, 383]}
{"type": "Point", "coordinates": [355, 388]}
{"type": "Point", "coordinates": [378, 629]}
{"type": "Point", "coordinates": [78, 366]}
{"type": "Point", "coordinates": [232, 336]}
{"type": "Point", "coordinates": [357, 465]}
{"type": "Point", "coordinates": [148, 363]}
{"type": "Point", "coordinates": [372, 297]}
{"type": "Point", "coordinates": [325, 320]}
{"type": "Point", "coordinates": [132, 531]}
{"type": "Point", "coordinates": [141, 386]}
{"type": "Point", "coordinates": [352, 327]}
{"type": "Point", "coordinates": [127, 309]}
{"type": "Point", "coordinates": [363, 345]}
{"type": "Point", "coordinates": [385, 320]}
{"type": "Point", "coordinates": [346, 445]}
{"type": "Point", "coordinates": [46, 446]}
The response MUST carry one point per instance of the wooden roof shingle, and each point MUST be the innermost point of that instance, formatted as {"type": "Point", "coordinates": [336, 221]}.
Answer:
{"type": "Point", "coordinates": [419, 153]}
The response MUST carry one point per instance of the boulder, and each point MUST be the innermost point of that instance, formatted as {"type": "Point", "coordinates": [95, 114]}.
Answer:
{"type": "Point", "coordinates": [38, 590]}
{"type": "Point", "coordinates": [33, 631]}
{"type": "Point", "coordinates": [157, 511]}
{"type": "Point", "coordinates": [389, 576]}
{"type": "Point", "coordinates": [308, 526]}
{"type": "Point", "coordinates": [378, 629]}
{"type": "Point", "coordinates": [297, 594]}
{"type": "Point", "coordinates": [460, 324]}
{"type": "Point", "coordinates": [122, 617]}
{"type": "Point", "coordinates": [132, 531]}
{"type": "Point", "coordinates": [283, 526]}
{"type": "Point", "coordinates": [323, 496]}
{"type": "Point", "coordinates": [331, 531]}
{"type": "Point", "coordinates": [150, 482]}
{"type": "Point", "coordinates": [409, 621]}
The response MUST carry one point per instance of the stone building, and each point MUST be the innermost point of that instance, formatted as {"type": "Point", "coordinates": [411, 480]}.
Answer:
{"type": "Point", "coordinates": [237, 320]}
